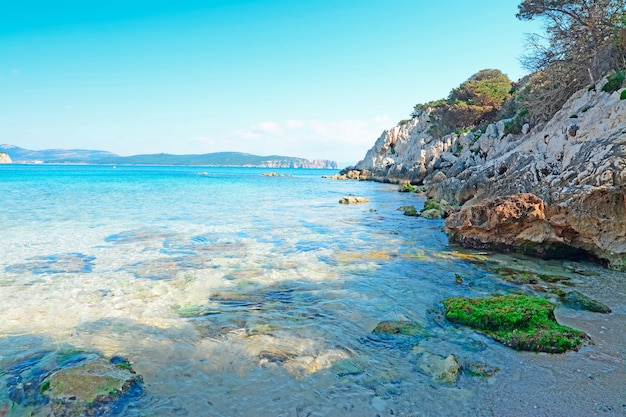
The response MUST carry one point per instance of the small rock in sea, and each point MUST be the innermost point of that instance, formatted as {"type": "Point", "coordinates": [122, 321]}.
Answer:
{"type": "Point", "coordinates": [409, 210]}
{"type": "Point", "coordinates": [432, 214]}
{"type": "Point", "coordinates": [354, 200]}
{"type": "Point", "coordinates": [89, 388]}
{"type": "Point", "coordinates": [580, 301]}
{"type": "Point", "coordinates": [399, 327]}
{"type": "Point", "coordinates": [482, 370]}
{"type": "Point", "coordinates": [408, 188]}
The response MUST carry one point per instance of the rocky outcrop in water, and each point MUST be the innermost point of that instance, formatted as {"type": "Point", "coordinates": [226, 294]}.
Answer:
{"type": "Point", "coordinates": [5, 158]}
{"type": "Point", "coordinates": [574, 166]}
{"type": "Point", "coordinates": [64, 381]}
{"type": "Point", "coordinates": [353, 200]}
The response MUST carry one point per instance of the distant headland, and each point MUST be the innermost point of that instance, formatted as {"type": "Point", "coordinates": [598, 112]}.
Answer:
{"type": "Point", "coordinates": [84, 156]}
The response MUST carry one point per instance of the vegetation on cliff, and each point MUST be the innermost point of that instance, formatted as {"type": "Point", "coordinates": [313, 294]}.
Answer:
{"type": "Point", "coordinates": [583, 41]}
{"type": "Point", "coordinates": [476, 102]}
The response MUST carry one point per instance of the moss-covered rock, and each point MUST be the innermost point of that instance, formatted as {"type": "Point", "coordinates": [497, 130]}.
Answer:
{"type": "Point", "coordinates": [408, 188]}
{"type": "Point", "coordinates": [82, 389]}
{"type": "Point", "coordinates": [409, 210]}
{"type": "Point", "coordinates": [431, 204]}
{"type": "Point", "coordinates": [432, 214]}
{"type": "Point", "coordinates": [397, 334]}
{"type": "Point", "coordinates": [518, 321]}
{"type": "Point", "coordinates": [406, 328]}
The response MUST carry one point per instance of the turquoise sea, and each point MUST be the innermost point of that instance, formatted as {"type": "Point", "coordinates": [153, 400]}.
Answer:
{"type": "Point", "coordinates": [238, 294]}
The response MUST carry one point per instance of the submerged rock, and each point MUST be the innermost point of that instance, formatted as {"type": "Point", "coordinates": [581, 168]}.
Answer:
{"type": "Point", "coordinates": [83, 389]}
{"type": "Point", "coordinates": [517, 321]}
{"type": "Point", "coordinates": [64, 263]}
{"type": "Point", "coordinates": [441, 369]}
{"type": "Point", "coordinates": [394, 334]}
{"type": "Point", "coordinates": [406, 328]}
{"type": "Point", "coordinates": [580, 301]}
{"type": "Point", "coordinates": [67, 382]}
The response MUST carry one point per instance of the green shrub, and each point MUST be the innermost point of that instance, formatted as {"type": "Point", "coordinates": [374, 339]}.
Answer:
{"type": "Point", "coordinates": [623, 95]}
{"type": "Point", "coordinates": [476, 102]}
{"type": "Point", "coordinates": [512, 127]}
{"type": "Point", "coordinates": [614, 81]}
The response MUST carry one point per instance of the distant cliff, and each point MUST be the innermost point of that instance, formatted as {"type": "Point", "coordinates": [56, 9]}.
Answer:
{"type": "Point", "coordinates": [5, 158]}
{"type": "Point", "coordinates": [220, 159]}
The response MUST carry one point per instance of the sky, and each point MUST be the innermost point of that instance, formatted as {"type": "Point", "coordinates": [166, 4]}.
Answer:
{"type": "Point", "coordinates": [317, 79]}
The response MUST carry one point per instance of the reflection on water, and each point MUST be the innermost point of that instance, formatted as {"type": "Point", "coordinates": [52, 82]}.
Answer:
{"type": "Point", "coordinates": [234, 294]}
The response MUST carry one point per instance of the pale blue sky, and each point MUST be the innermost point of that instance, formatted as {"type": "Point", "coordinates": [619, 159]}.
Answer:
{"type": "Point", "coordinates": [314, 79]}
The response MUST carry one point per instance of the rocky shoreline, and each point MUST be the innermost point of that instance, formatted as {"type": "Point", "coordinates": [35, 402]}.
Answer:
{"type": "Point", "coordinates": [555, 190]}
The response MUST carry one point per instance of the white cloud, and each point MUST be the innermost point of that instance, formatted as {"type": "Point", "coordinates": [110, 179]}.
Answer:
{"type": "Point", "coordinates": [340, 140]}
{"type": "Point", "coordinates": [270, 128]}
{"type": "Point", "coordinates": [247, 135]}
{"type": "Point", "coordinates": [205, 141]}
{"type": "Point", "coordinates": [295, 124]}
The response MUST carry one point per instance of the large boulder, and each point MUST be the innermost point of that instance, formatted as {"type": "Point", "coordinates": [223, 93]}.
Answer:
{"type": "Point", "coordinates": [5, 158]}
{"type": "Point", "coordinates": [517, 321]}
{"type": "Point", "coordinates": [592, 225]}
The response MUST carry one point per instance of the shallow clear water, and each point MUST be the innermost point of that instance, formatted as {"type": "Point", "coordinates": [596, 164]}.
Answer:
{"type": "Point", "coordinates": [237, 294]}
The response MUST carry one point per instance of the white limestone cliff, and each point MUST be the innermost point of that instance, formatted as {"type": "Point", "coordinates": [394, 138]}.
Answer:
{"type": "Point", "coordinates": [575, 163]}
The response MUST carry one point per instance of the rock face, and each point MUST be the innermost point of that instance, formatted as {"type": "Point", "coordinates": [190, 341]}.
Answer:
{"type": "Point", "coordinates": [515, 223]}
{"type": "Point", "coordinates": [574, 165]}
{"type": "Point", "coordinates": [5, 158]}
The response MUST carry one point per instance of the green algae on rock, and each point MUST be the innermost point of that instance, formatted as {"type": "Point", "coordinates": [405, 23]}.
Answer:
{"type": "Point", "coordinates": [398, 327]}
{"type": "Point", "coordinates": [517, 321]}
{"type": "Point", "coordinates": [81, 389]}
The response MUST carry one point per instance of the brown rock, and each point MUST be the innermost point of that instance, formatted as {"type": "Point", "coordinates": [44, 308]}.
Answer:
{"type": "Point", "coordinates": [353, 200]}
{"type": "Point", "coordinates": [515, 223]}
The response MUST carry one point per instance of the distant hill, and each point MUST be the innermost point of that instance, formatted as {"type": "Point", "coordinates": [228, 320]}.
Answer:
{"type": "Point", "coordinates": [20, 155]}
